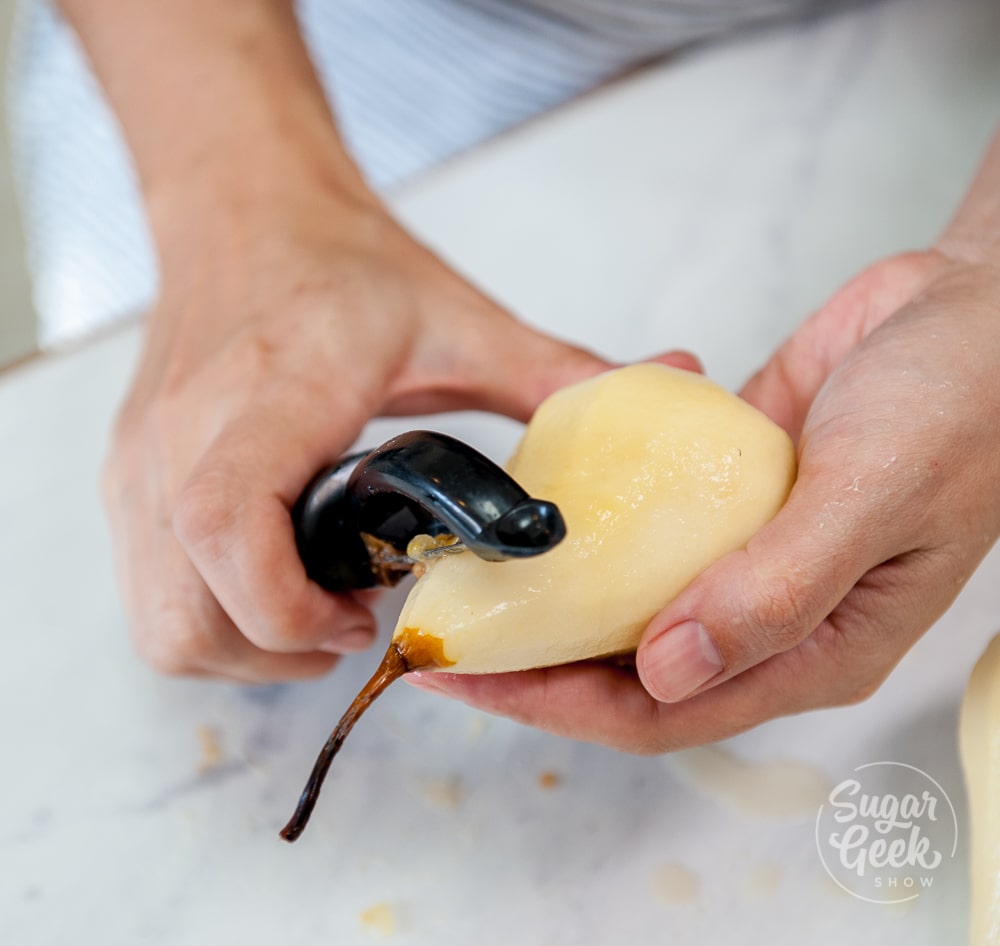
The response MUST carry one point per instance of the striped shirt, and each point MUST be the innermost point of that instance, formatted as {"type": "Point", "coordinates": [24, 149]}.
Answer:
{"type": "Point", "coordinates": [411, 82]}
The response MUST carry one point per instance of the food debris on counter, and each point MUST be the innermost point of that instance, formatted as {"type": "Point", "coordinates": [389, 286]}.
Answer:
{"type": "Point", "coordinates": [379, 919]}
{"type": "Point", "coordinates": [210, 749]}
{"type": "Point", "coordinates": [478, 725]}
{"type": "Point", "coordinates": [676, 884]}
{"type": "Point", "coordinates": [770, 790]}
{"type": "Point", "coordinates": [447, 792]}
{"type": "Point", "coordinates": [763, 880]}
{"type": "Point", "coordinates": [548, 780]}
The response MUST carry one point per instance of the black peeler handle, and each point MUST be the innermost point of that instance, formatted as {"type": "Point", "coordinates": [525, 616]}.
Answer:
{"type": "Point", "coordinates": [354, 520]}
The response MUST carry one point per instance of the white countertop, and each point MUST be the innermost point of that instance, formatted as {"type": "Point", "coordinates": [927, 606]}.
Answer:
{"type": "Point", "coordinates": [711, 203]}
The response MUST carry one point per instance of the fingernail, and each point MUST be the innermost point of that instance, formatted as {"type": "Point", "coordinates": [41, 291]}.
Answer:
{"type": "Point", "coordinates": [680, 660]}
{"type": "Point", "coordinates": [350, 641]}
{"type": "Point", "coordinates": [421, 680]}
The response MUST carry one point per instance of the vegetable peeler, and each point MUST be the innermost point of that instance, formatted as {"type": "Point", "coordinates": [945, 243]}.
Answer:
{"type": "Point", "coordinates": [358, 523]}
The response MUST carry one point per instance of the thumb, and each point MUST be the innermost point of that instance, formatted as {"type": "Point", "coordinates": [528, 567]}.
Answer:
{"type": "Point", "coordinates": [539, 364]}
{"type": "Point", "coordinates": [677, 358]}
{"type": "Point", "coordinates": [488, 361]}
{"type": "Point", "coordinates": [493, 362]}
{"type": "Point", "coordinates": [764, 599]}
{"type": "Point", "coordinates": [526, 366]}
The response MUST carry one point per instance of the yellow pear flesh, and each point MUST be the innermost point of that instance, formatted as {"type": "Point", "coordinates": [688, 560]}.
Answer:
{"type": "Point", "coordinates": [980, 746]}
{"type": "Point", "coordinates": [658, 472]}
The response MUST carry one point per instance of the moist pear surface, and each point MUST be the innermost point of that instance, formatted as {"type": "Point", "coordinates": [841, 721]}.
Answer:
{"type": "Point", "coordinates": [980, 747]}
{"type": "Point", "coordinates": [657, 472]}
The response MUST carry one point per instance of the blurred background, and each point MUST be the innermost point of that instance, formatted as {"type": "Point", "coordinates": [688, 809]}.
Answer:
{"type": "Point", "coordinates": [17, 320]}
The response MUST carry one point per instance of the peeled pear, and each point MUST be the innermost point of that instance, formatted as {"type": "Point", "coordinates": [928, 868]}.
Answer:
{"type": "Point", "coordinates": [658, 472]}
{"type": "Point", "coordinates": [979, 731]}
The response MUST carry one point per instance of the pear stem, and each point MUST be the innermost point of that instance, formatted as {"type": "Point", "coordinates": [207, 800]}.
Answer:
{"type": "Point", "coordinates": [392, 667]}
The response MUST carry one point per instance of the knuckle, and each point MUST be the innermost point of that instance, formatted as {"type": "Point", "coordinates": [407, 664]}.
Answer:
{"type": "Point", "coordinates": [146, 453]}
{"type": "Point", "coordinates": [782, 611]}
{"type": "Point", "coordinates": [253, 354]}
{"type": "Point", "coordinates": [203, 512]}
{"type": "Point", "coordinates": [119, 465]}
{"type": "Point", "coordinates": [287, 622]}
{"type": "Point", "coordinates": [163, 418]}
{"type": "Point", "coordinates": [652, 744]}
{"type": "Point", "coordinates": [850, 677]}
{"type": "Point", "coordinates": [174, 647]}
{"type": "Point", "coordinates": [165, 662]}
{"type": "Point", "coordinates": [860, 691]}
{"type": "Point", "coordinates": [654, 736]}
{"type": "Point", "coordinates": [858, 664]}
{"type": "Point", "coordinates": [110, 479]}
{"type": "Point", "coordinates": [280, 635]}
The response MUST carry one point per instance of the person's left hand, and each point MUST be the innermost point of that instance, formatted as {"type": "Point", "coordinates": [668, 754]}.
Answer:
{"type": "Point", "coordinates": [892, 392]}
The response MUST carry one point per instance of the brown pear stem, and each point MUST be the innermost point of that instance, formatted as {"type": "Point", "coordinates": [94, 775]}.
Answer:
{"type": "Point", "coordinates": [393, 666]}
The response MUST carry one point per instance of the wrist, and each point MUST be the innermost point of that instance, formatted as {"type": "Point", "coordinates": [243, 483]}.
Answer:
{"type": "Point", "coordinates": [973, 236]}
{"type": "Point", "coordinates": [232, 196]}
{"type": "Point", "coordinates": [966, 289]}
{"type": "Point", "coordinates": [258, 143]}
{"type": "Point", "coordinates": [230, 257]}
{"type": "Point", "coordinates": [221, 108]}
{"type": "Point", "coordinates": [969, 247]}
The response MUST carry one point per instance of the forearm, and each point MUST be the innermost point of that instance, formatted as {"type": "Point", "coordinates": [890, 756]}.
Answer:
{"type": "Point", "coordinates": [218, 100]}
{"type": "Point", "coordinates": [974, 233]}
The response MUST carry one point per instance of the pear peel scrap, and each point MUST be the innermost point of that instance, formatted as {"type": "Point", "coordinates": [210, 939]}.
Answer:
{"type": "Point", "coordinates": [658, 473]}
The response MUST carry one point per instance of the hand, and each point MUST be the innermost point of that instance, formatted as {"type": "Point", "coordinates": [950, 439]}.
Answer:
{"type": "Point", "coordinates": [292, 310]}
{"type": "Point", "coordinates": [892, 393]}
{"type": "Point", "coordinates": [279, 332]}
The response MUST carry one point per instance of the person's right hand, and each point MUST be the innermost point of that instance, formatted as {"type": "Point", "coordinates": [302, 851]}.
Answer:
{"type": "Point", "coordinates": [291, 310]}
{"type": "Point", "coordinates": [280, 330]}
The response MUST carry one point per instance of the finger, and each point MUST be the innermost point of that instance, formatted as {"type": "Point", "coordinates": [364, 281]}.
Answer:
{"type": "Point", "coordinates": [766, 598]}
{"type": "Point", "coordinates": [597, 702]}
{"type": "Point", "coordinates": [179, 628]}
{"type": "Point", "coordinates": [200, 640]}
{"type": "Point", "coordinates": [488, 361]}
{"type": "Point", "coordinates": [232, 519]}
{"type": "Point", "coordinates": [677, 358]}
{"type": "Point", "coordinates": [608, 705]}
{"type": "Point", "coordinates": [843, 661]}
{"type": "Point", "coordinates": [495, 363]}
{"type": "Point", "coordinates": [531, 366]}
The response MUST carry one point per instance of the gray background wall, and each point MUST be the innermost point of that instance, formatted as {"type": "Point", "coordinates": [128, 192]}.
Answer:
{"type": "Point", "coordinates": [17, 321]}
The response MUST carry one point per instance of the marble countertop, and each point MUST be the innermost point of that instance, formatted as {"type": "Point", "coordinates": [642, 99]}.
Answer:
{"type": "Point", "coordinates": [710, 202]}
